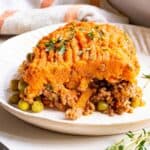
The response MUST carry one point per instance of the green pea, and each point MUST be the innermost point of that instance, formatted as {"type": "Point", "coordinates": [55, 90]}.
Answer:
{"type": "Point", "coordinates": [102, 106]}
{"type": "Point", "coordinates": [30, 57]}
{"type": "Point", "coordinates": [23, 105]}
{"type": "Point", "coordinates": [14, 99]}
{"type": "Point", "coordinates": [22, 85]}
{"type": "Point", "coordinates": [14, 85]}
{"type": "Point", "coordinates": [37, 106]}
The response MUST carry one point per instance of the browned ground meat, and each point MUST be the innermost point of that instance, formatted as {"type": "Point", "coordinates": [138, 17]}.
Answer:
{"type": "Point", "coordinates": [118, 96]}
{"type": "Point", "coordinates": [90, 107]}
{"type": "Point", "coordinates": [73, 113]}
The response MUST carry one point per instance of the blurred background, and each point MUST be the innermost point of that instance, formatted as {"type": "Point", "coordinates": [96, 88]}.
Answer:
{"type": "Point", "coordinates": [18, 16]}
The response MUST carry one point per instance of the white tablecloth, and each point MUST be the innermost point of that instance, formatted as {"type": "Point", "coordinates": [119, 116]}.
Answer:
{"type": "Point", "coordinates": [18, 135]}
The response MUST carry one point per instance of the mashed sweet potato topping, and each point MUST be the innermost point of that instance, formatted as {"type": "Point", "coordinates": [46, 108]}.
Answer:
{"type": "Point", "coordinates": [78, 52]}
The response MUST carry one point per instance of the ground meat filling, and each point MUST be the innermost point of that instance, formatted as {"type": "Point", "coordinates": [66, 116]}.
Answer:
{"type": "Point", "coordinates": [119, 97]}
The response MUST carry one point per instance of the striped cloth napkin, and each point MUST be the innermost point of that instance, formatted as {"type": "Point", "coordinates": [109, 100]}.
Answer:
{"type": "Point", "coordinates": [18, 16]}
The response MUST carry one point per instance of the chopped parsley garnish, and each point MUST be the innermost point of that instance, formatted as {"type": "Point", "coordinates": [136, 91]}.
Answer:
{"type": "Point", "coordinates": [53, 45]}
{"type": "Point", "coordinates": [49, 45]}
{"type": "Point", "coordinates": [91, 35]}
{"type": "Point", "coordinates": [62, 49]}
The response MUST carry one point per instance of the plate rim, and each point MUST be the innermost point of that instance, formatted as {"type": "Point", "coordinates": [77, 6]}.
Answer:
{"type": "Point", "coordinates": [67, 122]}
{"type": "Point", "coordinates": [4, 104]}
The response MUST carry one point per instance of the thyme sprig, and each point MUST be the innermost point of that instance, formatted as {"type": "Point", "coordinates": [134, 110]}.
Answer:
{"type": "Point", "coordinates": [133, 141]}
{"type": "Point", "coordinates": [147, 76]}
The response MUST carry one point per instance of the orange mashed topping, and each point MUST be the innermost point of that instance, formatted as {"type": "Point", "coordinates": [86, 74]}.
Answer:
{"type": "Point", "coordinates": [70, 57]}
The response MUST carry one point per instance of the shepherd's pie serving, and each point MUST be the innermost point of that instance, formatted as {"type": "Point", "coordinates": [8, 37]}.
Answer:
{"type": "Point", "coordinates": [80, 68]}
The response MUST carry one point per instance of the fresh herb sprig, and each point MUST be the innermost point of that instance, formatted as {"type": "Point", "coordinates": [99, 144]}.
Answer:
{"type": "Point", "coordinates": [133, 141]}
{"type": "Point", "coordinates": [147, 76]}
{"type": "Point", "coordinates": [49, 45]}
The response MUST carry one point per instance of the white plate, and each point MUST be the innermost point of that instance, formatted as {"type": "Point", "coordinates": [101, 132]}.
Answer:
{"type": "Point", "coordinates": [13, 52]}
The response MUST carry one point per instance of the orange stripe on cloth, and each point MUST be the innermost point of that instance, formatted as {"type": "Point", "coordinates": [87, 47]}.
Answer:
{"type": "Point", "coordinates": [5, 15]}
{"type": "Point", "coordinates": [46, 3]}
{"type": "Point", "coordinates": [71, 14]}
{"type": "Point", "coordinates": [95, 2]}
